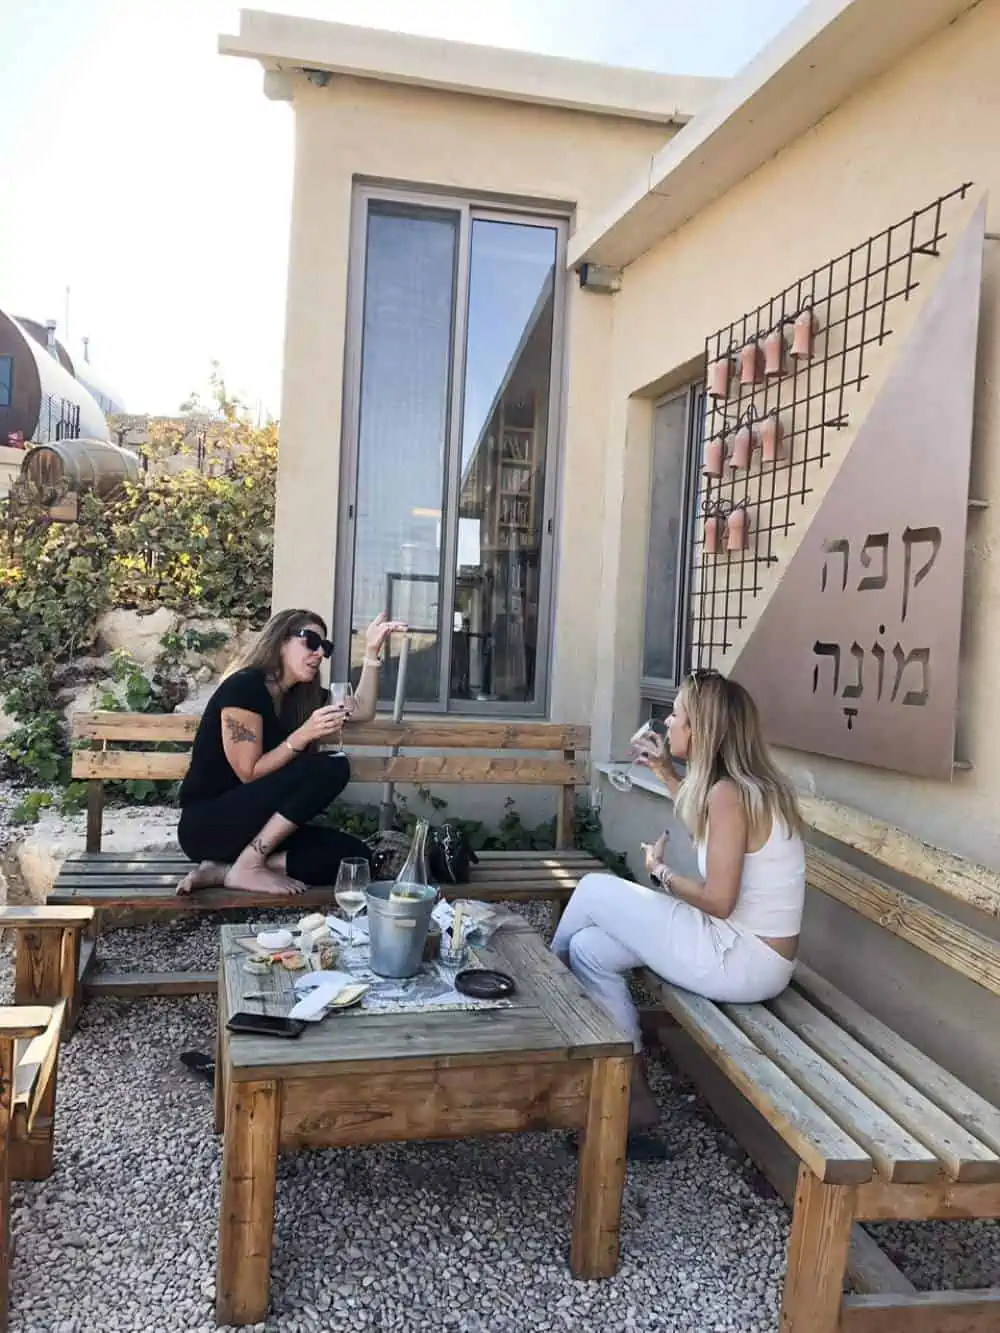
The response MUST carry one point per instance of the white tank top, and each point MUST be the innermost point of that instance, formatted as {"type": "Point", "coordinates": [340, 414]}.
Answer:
{"type": "Point", "coordinates": [772, 887]}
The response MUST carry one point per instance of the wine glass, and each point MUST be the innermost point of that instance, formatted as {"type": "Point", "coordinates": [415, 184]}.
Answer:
{"type": "Point", "coordinates": [353, 877]}
{"type": "Point", "coordinates": [342, 696]}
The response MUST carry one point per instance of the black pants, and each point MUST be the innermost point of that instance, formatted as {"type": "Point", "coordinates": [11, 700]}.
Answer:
{"type": "Point", "coordinates": [219, 829]}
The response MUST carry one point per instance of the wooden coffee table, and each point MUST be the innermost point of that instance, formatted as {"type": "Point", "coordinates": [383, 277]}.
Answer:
{"type": "Point", "coordinates": [552, 1060]}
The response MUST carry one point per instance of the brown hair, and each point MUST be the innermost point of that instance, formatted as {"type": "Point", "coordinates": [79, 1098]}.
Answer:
{"type": "Point", "coordinates": [727, 742]}
{"type": "Point", "coordinates": [265, 655]}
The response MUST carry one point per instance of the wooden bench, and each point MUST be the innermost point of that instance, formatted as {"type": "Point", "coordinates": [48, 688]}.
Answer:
{"type": "Point", "coordinates": [451, 752]}
{"type": "Point", "coordinates": [848, 1121]}
{"type": "Point", "coordinates": [46, 966]}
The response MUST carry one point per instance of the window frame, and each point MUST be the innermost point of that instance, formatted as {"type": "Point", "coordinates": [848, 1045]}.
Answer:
{"type": "Point", "coordinates": [658, 692]}
{"type": "Point", "coordinates": [10, 381]}
{"type": "Point", "coordinates": [469, 208]}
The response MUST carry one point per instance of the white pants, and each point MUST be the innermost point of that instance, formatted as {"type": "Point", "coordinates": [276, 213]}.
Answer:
{"type": "Point", "coordinates": [611, 926]}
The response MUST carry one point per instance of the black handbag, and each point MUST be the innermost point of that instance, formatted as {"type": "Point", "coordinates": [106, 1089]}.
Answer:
{"type": "Point", "coordinates": [450, 856]}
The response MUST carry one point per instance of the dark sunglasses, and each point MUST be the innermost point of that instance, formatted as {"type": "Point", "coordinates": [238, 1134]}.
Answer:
{"type": "Point", "coordinates": [315, 642]}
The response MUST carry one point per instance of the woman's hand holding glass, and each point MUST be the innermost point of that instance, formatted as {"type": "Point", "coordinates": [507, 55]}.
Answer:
{"type": "Point", "coordinates": [322, 726]}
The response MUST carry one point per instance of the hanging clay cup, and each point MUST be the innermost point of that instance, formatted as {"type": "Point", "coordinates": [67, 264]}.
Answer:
{"type": "Point", "coordinates": [803, 332]}
{"type": "Point", "coordinates": [750, 360]}
{"type": "Point", "coordinates": [715, 456]}
{"type": "Point", "coordinates": [770, 438]}
{"type": "Point", "coordinates": [774, 352]}
{"type": "Point", "coordinates": [743, 442]}
{"type": "Point", "coordinates": [718, 377]}
{"type": "Point", "coordinates": [713, 533]}
{"type": "Point", "coordinates": [736, 529]}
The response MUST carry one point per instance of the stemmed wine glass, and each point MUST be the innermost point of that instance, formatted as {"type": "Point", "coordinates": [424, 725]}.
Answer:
{"type": "Point", "coordinates": [353, 877]}
{"type": "Point", "coordinates": [342, 696]}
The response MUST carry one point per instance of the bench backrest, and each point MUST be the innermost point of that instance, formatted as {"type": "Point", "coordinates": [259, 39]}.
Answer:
{"type": "Point", "coordinates": [965, 950]}
{"type": "Point", "coordinates": [545, 754]}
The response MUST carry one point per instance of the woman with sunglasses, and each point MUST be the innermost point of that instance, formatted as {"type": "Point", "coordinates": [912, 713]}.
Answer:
{"type": "Point", "coordinates": [256, 777]}
{"type": "Point", "coordinates": [731, 932]}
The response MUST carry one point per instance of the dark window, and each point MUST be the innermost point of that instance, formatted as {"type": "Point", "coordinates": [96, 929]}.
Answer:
{"type": "Point", "coordinates": [672, 497]}
{"type": "Point", "coordinates": [6, 380]}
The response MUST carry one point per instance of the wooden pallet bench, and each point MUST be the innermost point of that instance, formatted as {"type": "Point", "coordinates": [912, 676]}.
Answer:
{"type": "Point", "coordinates": [848, 1121]}
{"type": "Point", "coordinates": [124, 885]}
{"type": "Point", "coordinates": [47, 949]}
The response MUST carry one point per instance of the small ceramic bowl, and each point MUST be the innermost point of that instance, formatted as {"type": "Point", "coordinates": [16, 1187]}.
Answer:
{"type": "Point", "coordinates": [274, 939]}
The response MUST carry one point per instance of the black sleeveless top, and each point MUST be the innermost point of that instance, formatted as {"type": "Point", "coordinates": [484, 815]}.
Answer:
{"type": "Point", "coordinates": [210, 773]}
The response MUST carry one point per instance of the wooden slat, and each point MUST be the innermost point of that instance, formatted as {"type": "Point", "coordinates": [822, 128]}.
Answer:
{"type": "Point", "coordinates": [970, 1311]}
{"type": "Point", "coordinates": [896, 1153]}
{"type": "Point", "coordinates": [545, 856]}
{"type": "Point", "coordinates": [980, 1117]}
{"type": "Point", "coordinates": [143, 879]}
{"type": "Point", "coordinates": [964, 950]}
{"type": "Point", "coordinates": [427, 734]}
{"type": "Point", "coordinates": [831, 1154]}
{"type": "Point", "coordinates": [583, 1025]}
{"type": "Point", "coordinates": [870, 1267]}
{"type": "Point", "coordinates": [88, 956]}
{"type": "Point", "coordinates": [400, 1105]}
{"type": "Point", "coordinates": [817, 1256]}
{"type": "Point", "coordinates": [936, 1200]}
{"type": "Point", "coordinates": [962, 1155]}
{"type": "Point", "coordinates": [601, 1172]}
{"type": "Point", "coordinates": [135, 985]}
{"type": "Point", "coordinates": [121, 764]}
{"type": "Point", "coordinates": [24, 1020]}
{"type": "Point", "coordinates": [35, 1067]}
{"type": "Point", "coordinates": [433, 768]}
{"type": "Point", "coordinates": [34, 918]}
{"type": "Point", "coordinates": [966, 881]}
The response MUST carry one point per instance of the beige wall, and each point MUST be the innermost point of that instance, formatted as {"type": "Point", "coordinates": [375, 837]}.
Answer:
{"type": "Point", "coordinates": [10, 467]}
{"type": "Point", "coordinates": [918, 132]}
{"type": "Point", "coordinates": [468, 145]}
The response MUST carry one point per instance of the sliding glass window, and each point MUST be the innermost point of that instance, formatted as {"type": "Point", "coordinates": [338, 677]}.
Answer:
{"type": "Point", "coordinates": [448, 473]}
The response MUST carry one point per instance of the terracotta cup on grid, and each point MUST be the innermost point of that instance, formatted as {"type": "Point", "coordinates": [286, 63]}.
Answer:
{"type": "Point", "coordinates": [738, 528]}
{"type": "Point", "coordinates": [804, 332]}
{"type": "Point", "coordinates": [744, 440]}
{"type": "Point", "coordinates": [751, 362]}
{"type": "Point", "coordinates": [718, 375]}
{"type": "Point", "coordinates": [771, 433]}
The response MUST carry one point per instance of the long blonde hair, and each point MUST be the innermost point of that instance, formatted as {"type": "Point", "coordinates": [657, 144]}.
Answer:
{"type": "Point", "coordinates": [727, 742]}
{"type": "Point", "coordinates": [264, 654]}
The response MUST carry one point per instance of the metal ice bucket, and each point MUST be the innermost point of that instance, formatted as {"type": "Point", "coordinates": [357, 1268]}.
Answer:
{"type": "Point", "coordinates": [398, 928]}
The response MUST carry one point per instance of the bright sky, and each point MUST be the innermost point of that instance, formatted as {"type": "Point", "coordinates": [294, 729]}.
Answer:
{"type": "Point", "coordinates": [151, 176]}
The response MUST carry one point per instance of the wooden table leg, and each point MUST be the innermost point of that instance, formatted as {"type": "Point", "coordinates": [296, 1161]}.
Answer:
{"type": "Point", "coordinates": [601, 1171]}
{"type": "Point", "coordinates": [246, 1215]}
{"type": "Point", "coordinates": [219, 1086]}
{"type": "Point", "coordinates": [817, 1255]}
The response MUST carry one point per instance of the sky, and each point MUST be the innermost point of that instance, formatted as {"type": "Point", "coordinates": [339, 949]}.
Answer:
{"type": "Point", "coordinates": [151, 177]}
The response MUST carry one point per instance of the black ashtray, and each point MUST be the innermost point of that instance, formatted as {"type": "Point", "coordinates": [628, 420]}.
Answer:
{"type": "Point", "coordinates": [484, 984]}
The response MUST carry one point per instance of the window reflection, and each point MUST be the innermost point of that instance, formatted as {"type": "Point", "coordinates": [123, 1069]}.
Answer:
{"type": "Point", "coordinates": [504, 438]}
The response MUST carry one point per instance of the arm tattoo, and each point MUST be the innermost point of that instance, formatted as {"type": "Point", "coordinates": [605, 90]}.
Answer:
{"type": "Point", "coordinates": [239, 731]}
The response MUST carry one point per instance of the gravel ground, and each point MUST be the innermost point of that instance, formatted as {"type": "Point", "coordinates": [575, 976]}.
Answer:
{"type": "Point", "coordinates": [471, 1236]}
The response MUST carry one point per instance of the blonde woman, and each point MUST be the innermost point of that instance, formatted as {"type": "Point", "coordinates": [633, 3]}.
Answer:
{"type": "Point", "coordinates": [731, 933]}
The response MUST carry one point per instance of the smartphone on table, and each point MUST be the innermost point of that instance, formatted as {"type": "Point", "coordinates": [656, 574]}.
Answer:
{"type": "Point", "coordinates": [266, 1025]}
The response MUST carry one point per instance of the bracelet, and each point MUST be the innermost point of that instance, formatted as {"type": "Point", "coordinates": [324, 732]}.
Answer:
{"type": "Point", "coordinates": [292, 747]}
{"type": "Point", "coordinates": [372, 662]}
{"type": "Point", "coordinates": [665, 875]}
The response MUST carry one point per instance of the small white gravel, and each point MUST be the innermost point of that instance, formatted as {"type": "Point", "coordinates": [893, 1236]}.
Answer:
{"type": "Point", "coordinates": [472, 1236]}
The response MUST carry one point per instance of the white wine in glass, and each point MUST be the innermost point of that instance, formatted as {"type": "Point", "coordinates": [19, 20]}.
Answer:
{"type": "Point", "coordinates": [353, 877]}
{"type": "Point", "coordinates": [342, 696]}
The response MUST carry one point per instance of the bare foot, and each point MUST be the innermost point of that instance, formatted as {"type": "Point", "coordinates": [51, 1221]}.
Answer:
{"type": "Point", "coordinates": [259, 879]}
{"type": "Point", "coordinates": [209, 875]}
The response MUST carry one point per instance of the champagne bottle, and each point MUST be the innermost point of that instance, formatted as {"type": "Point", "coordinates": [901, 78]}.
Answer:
{"type": "Point", "coordinates": [412, 882]}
